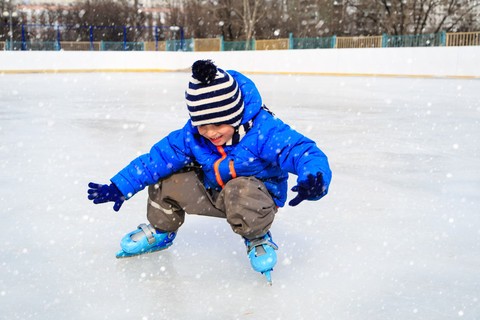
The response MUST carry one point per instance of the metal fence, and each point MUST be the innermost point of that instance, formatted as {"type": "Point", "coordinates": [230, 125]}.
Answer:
{"type": "Point", "coordinates": [421, 40]}
{"type": "Point", "coordinates": [218, 44]}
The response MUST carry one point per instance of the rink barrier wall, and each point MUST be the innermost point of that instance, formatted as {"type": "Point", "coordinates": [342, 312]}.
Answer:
{"type": "Point", "coordinates": [433, 62]}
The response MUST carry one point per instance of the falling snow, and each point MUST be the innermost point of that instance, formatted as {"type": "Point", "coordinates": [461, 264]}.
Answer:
{"type": "Point", "coordinates": [398, 236]}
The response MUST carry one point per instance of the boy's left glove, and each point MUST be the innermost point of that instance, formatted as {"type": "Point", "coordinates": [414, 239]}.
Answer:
{"type": "Point", "coordinates": [101, 193]}
{"type": "Point", "coordinates": [313, 188]}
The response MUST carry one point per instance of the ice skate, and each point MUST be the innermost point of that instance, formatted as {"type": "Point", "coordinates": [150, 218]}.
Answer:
{"type": "Point", "coordinates": [261, 252]}
{"type": "Point", "coordinates": [145, 239]}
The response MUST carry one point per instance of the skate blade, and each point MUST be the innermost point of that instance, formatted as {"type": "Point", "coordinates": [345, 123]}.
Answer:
{"type": "Point", "coordinates": [268, 275]}
{"type": "Point", "coordinates": [122, 254]}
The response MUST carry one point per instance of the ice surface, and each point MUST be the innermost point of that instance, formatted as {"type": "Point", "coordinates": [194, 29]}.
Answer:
{"type": "Point", "coordinates": [398, 237]}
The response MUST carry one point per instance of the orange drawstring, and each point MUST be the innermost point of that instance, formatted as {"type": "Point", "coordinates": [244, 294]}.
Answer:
{"type": "Point", "coordinates": [216, 166]}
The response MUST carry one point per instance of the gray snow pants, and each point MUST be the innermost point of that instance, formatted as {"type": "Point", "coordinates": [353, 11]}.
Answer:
{"type": "Point", "coordinates": [244, 202]}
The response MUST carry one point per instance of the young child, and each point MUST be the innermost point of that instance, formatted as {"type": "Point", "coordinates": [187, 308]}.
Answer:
{"type": "Point", "coordinates": [230, 160]}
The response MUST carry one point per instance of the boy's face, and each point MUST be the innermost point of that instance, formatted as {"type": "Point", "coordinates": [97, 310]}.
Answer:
{"type": "Point", "coordinates": [217, 134]}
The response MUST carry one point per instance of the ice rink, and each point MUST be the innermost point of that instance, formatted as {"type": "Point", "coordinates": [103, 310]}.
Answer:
{"type": "Point", "coordinates": [398, 236]}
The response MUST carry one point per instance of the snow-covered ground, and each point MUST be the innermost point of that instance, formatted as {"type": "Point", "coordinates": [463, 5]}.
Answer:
{"type": "Point", "coordinates": [398, 237]}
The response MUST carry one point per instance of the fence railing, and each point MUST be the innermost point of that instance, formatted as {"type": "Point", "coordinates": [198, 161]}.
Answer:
{"type": "Point", "coordinates": [280, 44]}
{"type": "Point", "coordinates": [359, 42]}
{"type": "Point", "coordinates": [463, 39]}
{"type": "Point", "coordinates": [218, 44]}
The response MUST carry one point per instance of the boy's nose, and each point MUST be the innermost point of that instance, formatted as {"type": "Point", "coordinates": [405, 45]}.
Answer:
{"type": "Point", "coordinates": [210, 130]}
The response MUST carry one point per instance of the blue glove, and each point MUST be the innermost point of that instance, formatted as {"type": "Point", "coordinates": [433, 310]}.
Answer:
{"type": "Point", "coordinates": [101, 193]}
{"type": "Point", "coordinates": [313, 188]}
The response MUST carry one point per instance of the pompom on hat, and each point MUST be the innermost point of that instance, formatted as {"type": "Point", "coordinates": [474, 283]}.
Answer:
{"type": "Point", "coordinates": [213, 96]}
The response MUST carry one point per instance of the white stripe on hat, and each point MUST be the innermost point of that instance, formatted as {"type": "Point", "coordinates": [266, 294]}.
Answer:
{"type": "Point", "coordinates": [210, 88]}
{"type": "Point", "coordinates": [213, 99]}
{"type": "Point", "coordinates": [220, 119]}
{"type": "Point", "coordinates": [217, 109]}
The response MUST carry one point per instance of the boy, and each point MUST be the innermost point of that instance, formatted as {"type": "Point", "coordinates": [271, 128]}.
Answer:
{"type": "Point", "coordinates": [230, 160]}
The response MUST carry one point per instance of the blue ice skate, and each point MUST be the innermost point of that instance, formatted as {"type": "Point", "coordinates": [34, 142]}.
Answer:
{"type": "Point", "coordinates": [261, 252]}
{"type": "Point", "coordinates": [144, 239]}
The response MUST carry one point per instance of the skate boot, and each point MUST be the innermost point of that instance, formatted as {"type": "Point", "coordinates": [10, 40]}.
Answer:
{"type": "Point", "coordinates": [144, 239]}
{"type": "Point", "coordinates": [261, 252]}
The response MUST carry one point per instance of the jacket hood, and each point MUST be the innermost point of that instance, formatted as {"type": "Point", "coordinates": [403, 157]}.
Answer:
{"type": "Point", "coordinates": [251, 97]}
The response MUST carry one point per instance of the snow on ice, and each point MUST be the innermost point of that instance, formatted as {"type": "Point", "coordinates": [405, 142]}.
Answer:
{"type": "Point", "coordinates": [398, 237]}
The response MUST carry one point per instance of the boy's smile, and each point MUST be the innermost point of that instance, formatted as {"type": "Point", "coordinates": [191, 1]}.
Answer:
{"type": "Point", "coordinates": [217, 134]}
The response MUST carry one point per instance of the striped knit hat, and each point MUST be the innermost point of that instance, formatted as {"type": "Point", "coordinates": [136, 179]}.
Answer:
{"type": "Point", "coordinates": [213, 96]}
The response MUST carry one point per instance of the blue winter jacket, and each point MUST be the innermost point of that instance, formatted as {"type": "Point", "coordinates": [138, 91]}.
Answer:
{"type": "Point", "coordinates": [269, 151]}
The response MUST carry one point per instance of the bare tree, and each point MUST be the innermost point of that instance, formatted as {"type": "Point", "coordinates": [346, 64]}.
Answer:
{"type": "Point", "coordinates": [245, 19]}
{"type": "Point", "coordinates": [199, 18]}
{"type": "Point", "coordinates": [112, 20]}
{"type": "Point", "coordinates": [233, 19]}
{"type": "Point", "coordinates": [400, 17]}
{"type": "Point", "coordinates": [230, 25]}
{"type": "Point", "coordinates": [457, 14]}
{"type": "Point", "coordinates": [251, 13]}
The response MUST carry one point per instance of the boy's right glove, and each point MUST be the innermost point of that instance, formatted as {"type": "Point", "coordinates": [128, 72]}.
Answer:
{"type": "Point", "coordinates": [101, 193]}
{"type": "Point", "coordinates": [313, 188]}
